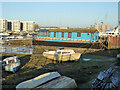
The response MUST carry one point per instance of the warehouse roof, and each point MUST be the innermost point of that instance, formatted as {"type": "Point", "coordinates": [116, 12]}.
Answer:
{"type": "Point", "coordinates": [74, 30]}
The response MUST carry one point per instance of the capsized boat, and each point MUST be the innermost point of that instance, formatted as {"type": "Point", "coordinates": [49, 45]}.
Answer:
{"type": "Point", "coordinates": [60, 82]}
{"type": "Point", "coordinates": [11, 64]}
{"type": "Point", "coordinates": [48, 80]}
{"type": "Point", "coordinates": [62, 55]}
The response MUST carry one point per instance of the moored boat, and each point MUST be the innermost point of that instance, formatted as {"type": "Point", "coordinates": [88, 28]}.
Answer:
{"type": "Point", "coordinates": [62, 55]}
{"type": "Point", "coordinates": [11, 64]}
{"type": "Point", "coordinates": [72, 37]}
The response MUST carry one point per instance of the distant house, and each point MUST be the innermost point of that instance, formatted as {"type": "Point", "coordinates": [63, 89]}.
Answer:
{"type": "Point", "coordinates": [68, 35]}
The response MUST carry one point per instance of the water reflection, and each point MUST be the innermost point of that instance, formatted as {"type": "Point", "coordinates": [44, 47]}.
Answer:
{"type": "Point", "coordinates": [99, 59]}
{"type": "Point", "coordinates": [18, 50]}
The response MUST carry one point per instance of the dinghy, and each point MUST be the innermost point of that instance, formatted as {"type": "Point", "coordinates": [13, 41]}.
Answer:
{"type": "Point", "coordinates": [48, 80]}
{"type": "Point", "coordinates": [61, 82]}
{"type": "Point", "coordinates": [11, 64]}
{"type": "Point", "coordinates": [32, 83]}
{"type": "Point", "coordinates": [62, 55]}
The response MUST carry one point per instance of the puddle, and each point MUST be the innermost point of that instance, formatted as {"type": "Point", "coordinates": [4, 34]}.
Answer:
{"type": "Point", "coordinates": [86, 59]}
{"type": "Point", "coordinates": [99, 58]}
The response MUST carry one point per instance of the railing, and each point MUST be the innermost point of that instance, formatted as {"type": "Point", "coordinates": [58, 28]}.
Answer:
{"type": "Point", "coordinates": [66, 39]}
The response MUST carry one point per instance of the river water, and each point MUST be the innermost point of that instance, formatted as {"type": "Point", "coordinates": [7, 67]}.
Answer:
{"type": "Point", "coordinates": [19, 50]}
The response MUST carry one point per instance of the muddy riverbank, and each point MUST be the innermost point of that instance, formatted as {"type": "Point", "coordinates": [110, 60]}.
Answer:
{"type": "Point", "coordinates": [18, 43]}
{"type": "Point", "coordinates": [82, 71]}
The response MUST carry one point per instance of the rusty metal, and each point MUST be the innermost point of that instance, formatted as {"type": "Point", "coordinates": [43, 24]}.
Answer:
{"type": "Point", "coordinates": [113, 42]}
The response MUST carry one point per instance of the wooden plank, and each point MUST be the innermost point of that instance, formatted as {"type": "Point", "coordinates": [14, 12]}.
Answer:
{"type": "Point", "coordinates": [103, 78]}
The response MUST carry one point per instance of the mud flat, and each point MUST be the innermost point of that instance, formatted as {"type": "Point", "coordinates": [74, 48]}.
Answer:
{"type": "Point", "coordinates": [18, 42]}
{"type": "Point", "coordinates": [82, 71]}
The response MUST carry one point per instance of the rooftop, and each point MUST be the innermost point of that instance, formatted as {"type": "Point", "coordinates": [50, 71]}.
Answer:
{"type": "Point", "coordinates": [74, 30]}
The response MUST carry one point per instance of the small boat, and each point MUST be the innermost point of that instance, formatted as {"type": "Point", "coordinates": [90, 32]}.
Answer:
{"type": "Point", "coordinates": [32, 83]}
{"type": "Point", "coordinates": [48, 80]}
{"type": "Point", "coordinates": [62, 55]}
{"type": "Point", "coordinates": [11, 64]}
{"type": "Point", "coordinates": [60, 82]}
{"type": "Point", "coordinates": [118, 56]}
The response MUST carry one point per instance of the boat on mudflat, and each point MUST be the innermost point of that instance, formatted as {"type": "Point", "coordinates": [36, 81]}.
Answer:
{"type": "Point", "coordinates": [62, 55]}
{"type": "Point", "coordinates": [11, 64]}
{"type": "Point", "coordinates": [48, 80]}
{"type": "Point", "coordinates": [71, 37]}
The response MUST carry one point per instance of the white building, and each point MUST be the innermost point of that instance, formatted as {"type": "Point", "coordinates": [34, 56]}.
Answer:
{"type": "Point", "coordinates": [31, 26]}
{"type": "Point", "coordinates": [10, 26]}
{"type": "Point", "coordinates": [13, 26]}
{"type": "Point", "coordinates": [16, 26]}
{"type": "Point", "coordinates": [100, 27]}
{"type": "Point", "coordinates": [3, 25]}
{"type": "Point", "coordinates": [27, 26]}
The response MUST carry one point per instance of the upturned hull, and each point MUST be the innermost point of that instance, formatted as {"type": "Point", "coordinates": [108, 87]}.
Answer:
{"type": "Point", "coordinates": [59, 57]}
{"type": "Point", "coordinates": [60, 82]}
{"type": "Point", "coordinates": [48, 80]}
{"type": "Point", "coordinates": [39, 80]}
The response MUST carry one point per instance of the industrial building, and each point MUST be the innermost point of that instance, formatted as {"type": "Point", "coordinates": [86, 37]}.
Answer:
{"type": "Point", "coordinates": [100, 27]}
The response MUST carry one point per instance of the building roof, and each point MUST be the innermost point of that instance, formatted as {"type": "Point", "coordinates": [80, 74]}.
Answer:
{"type": "Point", "coordinates": [74, 30]}
{"type": "Point", "coordinates": [42, 30]}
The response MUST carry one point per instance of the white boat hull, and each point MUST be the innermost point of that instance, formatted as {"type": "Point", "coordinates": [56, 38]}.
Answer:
{"type": "Point", "coordinates": [12, 67]}
{"type": "Point", "coordinates": [59, 57]}
{"type": "Point", "coordinates": [11, 64]}
{"type": "Point", "coordinates": [32, 83]}
{"type": "Point", "coordinates": [48, 80]}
